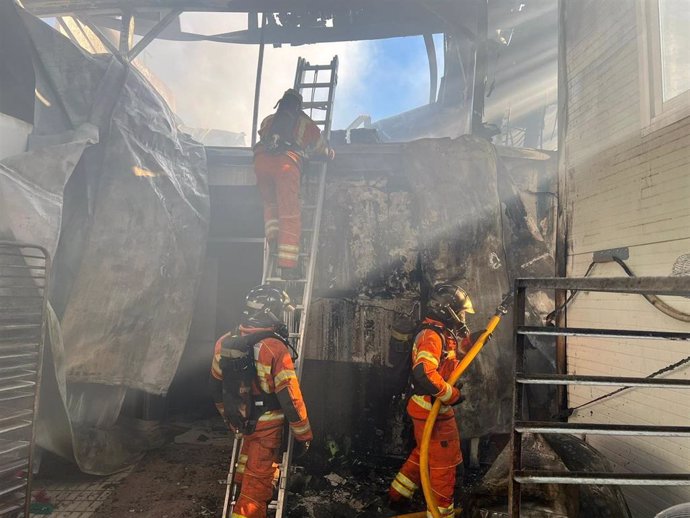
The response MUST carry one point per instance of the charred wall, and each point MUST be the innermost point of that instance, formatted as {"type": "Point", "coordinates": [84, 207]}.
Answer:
{"type": "Point", "coordinates": [397, 219]}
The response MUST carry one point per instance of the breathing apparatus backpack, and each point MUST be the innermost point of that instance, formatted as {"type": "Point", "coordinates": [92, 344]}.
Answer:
{"type": "Point", "coordinates": [243, 408]}
{"type": "Point", "coordinates": [403, 332]}
{"type": "Point", "coordinates": [281, 134]}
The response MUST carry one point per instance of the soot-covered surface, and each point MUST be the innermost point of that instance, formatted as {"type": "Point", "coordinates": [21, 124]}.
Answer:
{"type": "Point", "coordinates": [399, 218]}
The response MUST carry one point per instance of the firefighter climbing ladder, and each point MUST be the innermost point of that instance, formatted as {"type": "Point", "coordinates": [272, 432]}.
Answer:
{"type": "Point", "coordinates": [317, 85]}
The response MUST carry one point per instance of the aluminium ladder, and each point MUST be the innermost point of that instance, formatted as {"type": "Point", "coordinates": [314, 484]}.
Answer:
{"type": "Point", "coordinates": [318, 92]}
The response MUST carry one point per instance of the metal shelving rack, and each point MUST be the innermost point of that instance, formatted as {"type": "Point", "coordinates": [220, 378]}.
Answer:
{"type": "Point", "coordinates": [23, 274]}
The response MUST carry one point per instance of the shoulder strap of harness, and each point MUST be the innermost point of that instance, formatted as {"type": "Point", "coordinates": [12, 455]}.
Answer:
{"type": "Point", "coordinates": [246, 342]}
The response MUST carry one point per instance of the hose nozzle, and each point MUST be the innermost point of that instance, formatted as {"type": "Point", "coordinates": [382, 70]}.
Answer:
{"type": "Point", "coordinates": [502, 308]}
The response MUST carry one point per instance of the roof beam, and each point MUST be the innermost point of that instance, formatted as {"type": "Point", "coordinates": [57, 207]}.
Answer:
{"type": "Point", "coordinates": [153, 33]}
{"type": "Point", "coordinates": [100, 35]}
{"type": "Point", "coordinates": [56, 7]}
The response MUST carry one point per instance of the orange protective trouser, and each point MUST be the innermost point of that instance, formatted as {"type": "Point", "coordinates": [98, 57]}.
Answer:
{"type": "Point", "coordinates": [257, 472]}
{"type": "Point", "coordinates": [277, 177]}
{"type": "Point", "coordinates": [444, 458]}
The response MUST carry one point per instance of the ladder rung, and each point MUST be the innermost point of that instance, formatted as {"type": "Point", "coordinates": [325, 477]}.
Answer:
{"type": "Point", "coordinates": [301, 254]}
{"type": "Point", "coordinates": [317, 67]}
{"type": "Point", "coordinates": [295, 335]}
{"type": "Point", "coordinates": [278, 279]}
{"type": "Point", "coordinates": [322, 105]}
{"type": "Point", "coordinates": [314, 85]}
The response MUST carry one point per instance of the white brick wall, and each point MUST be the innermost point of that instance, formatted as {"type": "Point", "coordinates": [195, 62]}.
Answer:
{"type": "Point", "coordinates": [623, 189]}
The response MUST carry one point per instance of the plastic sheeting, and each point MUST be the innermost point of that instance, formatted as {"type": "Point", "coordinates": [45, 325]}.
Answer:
{"type": "Point", "coordinates": [120, 198]}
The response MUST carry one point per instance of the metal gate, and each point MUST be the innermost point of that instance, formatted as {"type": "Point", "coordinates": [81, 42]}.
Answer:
{"type": "Point", "coordinates": [678, 286]}
{"type": "Point", "coordinates": [23, 276]}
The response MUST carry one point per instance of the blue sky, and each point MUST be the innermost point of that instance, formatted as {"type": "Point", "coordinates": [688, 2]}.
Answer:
{"type": "Point", "coordinates": [396, 79]}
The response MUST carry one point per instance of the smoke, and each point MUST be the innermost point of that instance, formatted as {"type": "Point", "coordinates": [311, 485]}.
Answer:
{"type": "Point", "coordinates": [211, 85]}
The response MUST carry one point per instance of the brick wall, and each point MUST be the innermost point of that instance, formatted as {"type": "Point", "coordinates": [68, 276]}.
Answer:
{"type": "Point", "coordinates": [624, 188]}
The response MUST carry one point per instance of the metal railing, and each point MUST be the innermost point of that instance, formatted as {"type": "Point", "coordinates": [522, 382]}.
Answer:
{"type": "Point", "coordinates": [23, 276]}
{"type": "Point", "coordinates": [674, 286]}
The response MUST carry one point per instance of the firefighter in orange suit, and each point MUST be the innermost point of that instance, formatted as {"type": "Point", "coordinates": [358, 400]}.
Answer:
{"type": "Point", "coordinates": [276, 396]}
{"type": "Point", "coordinates": [287, 138]}
{"type": "Point", "coordinates": [438, 347]}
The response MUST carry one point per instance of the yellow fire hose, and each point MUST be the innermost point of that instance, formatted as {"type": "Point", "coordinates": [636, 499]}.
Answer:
{"type": "Point", "coordinates": [422, 514]}
{"type": "Point", "coordinates": [431, 502]}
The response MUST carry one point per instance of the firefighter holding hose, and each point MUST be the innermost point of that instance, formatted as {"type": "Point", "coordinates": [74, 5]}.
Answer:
{"type": "Point", "coordinates": [439, 345]}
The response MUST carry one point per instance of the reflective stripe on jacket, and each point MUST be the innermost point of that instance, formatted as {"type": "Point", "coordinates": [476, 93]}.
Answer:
{"type": "Point", "coordinates": [432, 365]}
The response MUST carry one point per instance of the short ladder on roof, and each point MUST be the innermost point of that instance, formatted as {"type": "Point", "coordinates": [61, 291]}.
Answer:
{"type": "Point", "coordinates": [317, 85]}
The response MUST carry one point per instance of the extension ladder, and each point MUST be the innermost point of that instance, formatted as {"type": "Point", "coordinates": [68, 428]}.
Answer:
{"type": "Point", "coordinates": [318, 92]}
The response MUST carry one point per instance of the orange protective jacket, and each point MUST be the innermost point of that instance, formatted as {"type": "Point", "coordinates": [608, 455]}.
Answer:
{"type": "Point", "coordinates": [275, 374]}
{"type": "Point", "coordinates": [433, 360]}
{"type": "Point", "coordinates": [307, 139]}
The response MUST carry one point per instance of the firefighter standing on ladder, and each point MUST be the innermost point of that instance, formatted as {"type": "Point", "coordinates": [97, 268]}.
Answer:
{"type": "Point", "coordinates": [258, 406]}
{"type": "Point", "coordinates": [438, 347]}
{"type": "Point", "coordinates": [287, 138]}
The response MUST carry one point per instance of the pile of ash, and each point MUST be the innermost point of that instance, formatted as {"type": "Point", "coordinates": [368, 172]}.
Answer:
{"type": "Point", "coordinates": [355, 487]}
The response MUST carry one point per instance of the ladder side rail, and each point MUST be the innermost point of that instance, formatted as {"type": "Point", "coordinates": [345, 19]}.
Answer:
{"type": "Point", "coordinates": [299, 73]}
{"type": "Point", "coordinates": [331, 97]}
{"type": "Point", "coordinates": [313, 92]}
{"type": "Point", "coordinates": [311, 268]}
{"type": "Point", "coordinates": [229, 502]}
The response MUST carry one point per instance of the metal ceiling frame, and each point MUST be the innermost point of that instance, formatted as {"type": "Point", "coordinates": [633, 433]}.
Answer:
{"type": "Point", "coordinates": [57, 7]}
{"type": "Point", "coordinates": [292, 22]}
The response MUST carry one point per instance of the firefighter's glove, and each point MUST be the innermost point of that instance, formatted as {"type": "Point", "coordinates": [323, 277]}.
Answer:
{"type": "Point", "coordinates": [301, 449]}
{"type": "Point", "coordinates": [455, 397]}
{"type": "Point", "coordinates": [331, 154]}
{"type": "Point", "coordinates": [230, 427]}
